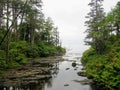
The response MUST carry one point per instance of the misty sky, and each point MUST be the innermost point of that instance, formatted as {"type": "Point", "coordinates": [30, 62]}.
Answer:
{"type": "Point", "coordinates": [69, 17]}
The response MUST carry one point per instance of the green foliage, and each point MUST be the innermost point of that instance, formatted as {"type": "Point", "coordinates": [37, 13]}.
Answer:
{"type": "Point", "coordinates": [42, 49]}
{"type": "Point", "coordinates": [49, 50]}
{"type": "Point", "coordinates": [102, 60]}
{"type": "Point", "coordinates": [87, 54]}
{"type": "Point", "coordinates": [21, 35]}
{"type": "Point", "coordinates": [60, 50]}
{"type": "Point", "coordinates": [21, 51]}
{"type": "Point", "coordinates": [2, 54]}
{"type": "Point", "coordinates": [52, 50]}
{"type": "Point", "coordinates": [105, 69]}
{"type": "Point", "coordinates": [25, 48]}
{"type": "Point", "coordinates": [3, 64]}
{"type": "Point", "coordinates": [18, 57]}
{"type": "Point", "coordinates": [95, 36]}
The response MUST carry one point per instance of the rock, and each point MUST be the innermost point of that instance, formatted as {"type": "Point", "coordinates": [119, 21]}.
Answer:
{"type": "Point", "coordinates": [79, 64]}
{"type": "Point", "coordinates": [75, 69]}
{"type": "Point", "coordinates": [33, 82]}
{"type": "Point", "coordinates": [82, 73]}
{"type": "Point", "coordinates": [74, 64]}
{"type": "Point", "coordinates": [83, 68]}
{"type": "Point", "coordinates": [84, 82]}
{"type": "Point", "coordinates": [30, 73]}
{"type": "Point", "coordinates": [67, 68]}
{"type": "Point", "coordinates": [66, 85]}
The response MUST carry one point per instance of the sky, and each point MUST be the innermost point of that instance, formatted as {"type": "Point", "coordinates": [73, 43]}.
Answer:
{"type": "Point", "coordinates": [69, 17]}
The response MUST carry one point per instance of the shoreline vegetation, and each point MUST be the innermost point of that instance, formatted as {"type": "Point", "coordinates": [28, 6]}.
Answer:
{"type": "Point", "coordinates": [26, 33]}
{"type": "Point", "coordinates": [102, 59]}
{"type": "Point", "coordinates": [21, 53]}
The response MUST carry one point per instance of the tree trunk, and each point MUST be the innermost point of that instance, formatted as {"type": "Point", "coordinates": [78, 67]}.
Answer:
{"type": "Point", "coordinates": [7, 39]}
{"type": "Point", "coordinates": [1, 14]}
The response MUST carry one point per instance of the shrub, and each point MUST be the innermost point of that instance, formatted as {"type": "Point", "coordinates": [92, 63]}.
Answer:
{"type": "Point", "coordinates": [43, 51]}
{"type": "Point", "coordinates": [16, 56]}
{"type": "Point", "coordinates": [3, 64]}
{"type": "Point", "coordinates": [105, 69]}
{"type": "Point", "coordinates": [25, 48]}
{"type": "Point", "coordinates": [60, 50]}
{"type": "Point", "coordinates": [52, 50]}
{"type": "Point", "coordinates": [86, 55]}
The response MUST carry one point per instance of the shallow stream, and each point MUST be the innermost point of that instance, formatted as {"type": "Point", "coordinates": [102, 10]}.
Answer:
{"type": "Point", "coordinates": [67, 77]}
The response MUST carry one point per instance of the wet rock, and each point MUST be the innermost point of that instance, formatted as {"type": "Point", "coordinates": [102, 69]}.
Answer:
{"type": "Point", "coordinates": [67, 68]}
{"type": "Point", "coordinates": [83, 68]}
{"type": "Point", "coordinates": [79, 64]}
{"type": "Point", "coordinates": [74, 64]}
{"type": "Point", "coordinates": [75, 69]}
{"type": "Point", "coordinates": [82, 73]}
{"type": "Point", "coordinates": [84, 82]}
{"type": "Point", "coordinates": [31, 73]}
{"type": "Point", "coordinates": [66, 85]}
{"type": "Point", "coordinates": [33, 82]}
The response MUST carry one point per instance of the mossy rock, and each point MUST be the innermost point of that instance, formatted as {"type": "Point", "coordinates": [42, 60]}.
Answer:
{"type": "Point", "coordinates": [82, 73]}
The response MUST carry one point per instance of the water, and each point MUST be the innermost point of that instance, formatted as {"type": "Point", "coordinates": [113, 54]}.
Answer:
{"type": "Point", "coordinates": [64, 78]}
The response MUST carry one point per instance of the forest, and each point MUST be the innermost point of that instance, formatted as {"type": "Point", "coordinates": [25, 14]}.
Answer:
{"type": "Point", "coordinates": [102, 59]}
{"type": "Point", "coordinates": [26, 33]}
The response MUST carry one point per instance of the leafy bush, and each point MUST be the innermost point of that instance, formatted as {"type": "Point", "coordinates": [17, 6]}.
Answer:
{"type": "Point", "coordinates": [16, 56]}
{"type": "Point", "coordinates": [2, 60]}
{"type": "Point", "coordinates": [31, 51]}
{"type": "Point", "coordinates": [52, 50]}
{"type": "Point", "coordinates": [20, 52]}
{"type": "Point", "coordinates": [43, 51]}
{"type": "Point", "coordinates": [25, 48]}
{"type": "Point", "coordinates": [2, 55]}
{"type": "Point", "coordinates": [12, 65]}
{"type": "Point", "coordinates": [86, 55]}
{"type": "Point", "coordinates": [105, 69]}
{"type": "Point", "coordinates": [49, 50]}
{"type": "Point", "coordinates": [60, 50]}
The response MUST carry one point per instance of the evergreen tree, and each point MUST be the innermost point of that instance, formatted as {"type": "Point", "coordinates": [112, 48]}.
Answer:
{"type": "Point", "coordinates": [94, 31]}
{"type": "Point", "coordinates": [25, 32]}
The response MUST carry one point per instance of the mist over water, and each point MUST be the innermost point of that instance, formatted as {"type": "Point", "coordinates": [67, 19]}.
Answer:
{"type": "Point", "coordinates": [77, 49]}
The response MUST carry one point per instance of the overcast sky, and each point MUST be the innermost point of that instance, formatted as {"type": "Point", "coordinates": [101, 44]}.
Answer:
{"type": "Point", "coordinates": [69, 17]}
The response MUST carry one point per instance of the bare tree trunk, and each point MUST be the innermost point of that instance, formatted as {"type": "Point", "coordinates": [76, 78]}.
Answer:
{"type": "Point", "coordinates": [14, 12]}
{"type": "Point", "coordinates": [7, 27]}
{"type": "Point", "coordinates": [32, 36]}
{"type": "Point", "coordinates": [1, 13]}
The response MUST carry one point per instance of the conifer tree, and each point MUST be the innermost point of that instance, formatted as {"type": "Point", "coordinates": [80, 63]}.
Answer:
{"type": "Point", "coordinates": [94, 35]}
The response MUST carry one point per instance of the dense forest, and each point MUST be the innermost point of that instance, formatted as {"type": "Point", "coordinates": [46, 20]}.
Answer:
{"type": "Point", "coordinates": [26, 33]}
{"type": "Point", "coordinates": [102, 60]}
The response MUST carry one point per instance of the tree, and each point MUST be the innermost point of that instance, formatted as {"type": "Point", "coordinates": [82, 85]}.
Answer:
{"type": "Point", "coordinates": [95, 16]}
{"type": "Point", "coordinates": [55, 37]}
{"type": "Point", "coordinates": [116, 16]}
{"type": "Point", "coordinates": [1, 12]}
{"type": "Point", "coordinates": [22, 27]}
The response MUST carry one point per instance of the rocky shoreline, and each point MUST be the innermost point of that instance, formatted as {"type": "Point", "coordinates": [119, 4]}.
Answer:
{"type": "Point", "coordinates": [32, 73]}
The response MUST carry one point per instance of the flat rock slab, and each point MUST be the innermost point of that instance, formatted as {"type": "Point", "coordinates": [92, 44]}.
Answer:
{"type": "Point", "coordinates": [84, 82]}
{"type": "Point", "coordinates": [66, 85]}
{"type": "Point", "coordinates": [32, 72]}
